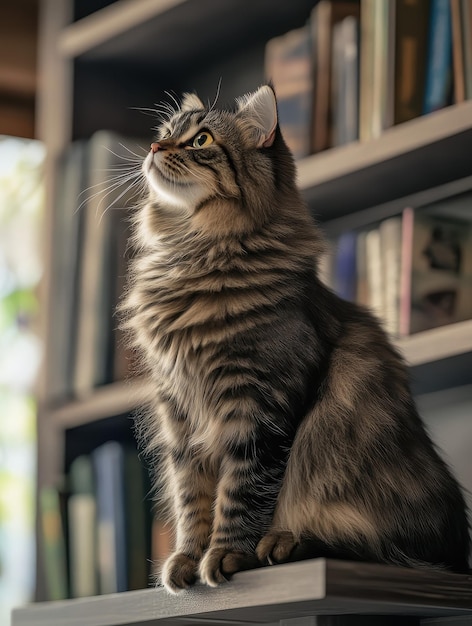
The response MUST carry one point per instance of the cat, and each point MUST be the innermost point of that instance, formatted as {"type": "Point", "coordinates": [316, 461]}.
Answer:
{"type": "Point", "coordinates": [282, 423]}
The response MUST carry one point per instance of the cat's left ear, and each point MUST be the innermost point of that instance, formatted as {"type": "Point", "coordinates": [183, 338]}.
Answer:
{"type": "Point", "coordinates": [191, 102]}
{"type": "Point", "coordinates": [260, 110]}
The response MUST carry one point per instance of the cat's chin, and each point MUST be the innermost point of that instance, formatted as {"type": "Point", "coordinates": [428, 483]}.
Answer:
{"type": "Point", "coordinates": [180, 196]}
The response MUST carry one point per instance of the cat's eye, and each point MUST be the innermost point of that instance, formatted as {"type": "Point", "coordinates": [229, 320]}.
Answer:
{"type": "Point", "coordinates": [202, 140]}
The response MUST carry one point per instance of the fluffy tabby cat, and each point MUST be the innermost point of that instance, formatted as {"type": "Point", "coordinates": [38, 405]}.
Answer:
{"type": "Point", "coordinates": [282, 423]}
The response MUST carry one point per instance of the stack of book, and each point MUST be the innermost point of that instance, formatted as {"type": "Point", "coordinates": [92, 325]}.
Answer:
{"type": "Point", "coordinates": [361, 66]}
{"type": "Point", "coordinates": [99, 534]}
{"type": "Point", "coordinates": [414, 270]}
{"type": "Point", "coordinates": [98, 187]}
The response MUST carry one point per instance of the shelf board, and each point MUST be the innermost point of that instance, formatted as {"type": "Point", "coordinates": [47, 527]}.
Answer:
{"type": "Point", "coordinates": [146, 31]}
{"type": "Point", "coordinates": [428, 151]}
{"type": "Point", "coordinates": [108, 23]}
{"type": "Point", "coordinates": [313, 587]}
{"type": "Point", "coordinates": [113, 399]}
{"type": "Point", "coordinates": [437, 343]}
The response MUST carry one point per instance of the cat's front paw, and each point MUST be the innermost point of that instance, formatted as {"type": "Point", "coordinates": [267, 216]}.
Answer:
{"type": "Point", "coordinates": [218, 564]}
{"type": "Point", "coordinates": [179, 572]}
{"type": "Point", "coordinates": [276, 547]}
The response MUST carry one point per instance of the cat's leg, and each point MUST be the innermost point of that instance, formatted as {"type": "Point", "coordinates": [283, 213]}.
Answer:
{"type": "Point", "coordinates": [193, 492]}
{"type": "Point", "coordinates": [188, 486]}
{"type": "Point", "coordinates": [248, 485]}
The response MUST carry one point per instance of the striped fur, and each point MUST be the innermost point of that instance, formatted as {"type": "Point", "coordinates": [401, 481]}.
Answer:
{"type": "Point", "coordinates": [282, 424]}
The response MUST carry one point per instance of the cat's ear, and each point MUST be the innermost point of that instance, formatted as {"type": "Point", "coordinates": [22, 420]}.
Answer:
{"type": "Point", "coordinates": [191, 102]}
{"type": "Point", "coordinates": [260, 110]}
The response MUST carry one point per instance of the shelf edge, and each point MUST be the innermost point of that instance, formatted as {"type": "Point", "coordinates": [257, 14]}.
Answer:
{"type": "Point", "coordinates": [109, 22]}
{"type": "Point", "coordinates": [422, 131]}
{"type": "Point", "coordinates": [437, 343]}
{"type": "Point", "coordinates": [113, 399]}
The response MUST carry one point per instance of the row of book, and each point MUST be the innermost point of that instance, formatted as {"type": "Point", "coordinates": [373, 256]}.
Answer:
{"type": "Point", "coordinates": [99, 534]}
{"type": "Point", "coordinates": [414, 270]}
{"type": "Point", "coordinates": [359, 67]}
{"type": "Point", "coordinates": [97, 186]}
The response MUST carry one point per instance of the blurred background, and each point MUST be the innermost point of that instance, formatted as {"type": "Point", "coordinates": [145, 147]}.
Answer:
{"type": "Point", "coordinates": [21, 214]}
{"type": "Point", "coordinates": [375, 101]}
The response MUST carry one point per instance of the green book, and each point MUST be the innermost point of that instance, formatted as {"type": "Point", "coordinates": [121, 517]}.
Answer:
{"type": "Point", "coordinates": [55, 564]}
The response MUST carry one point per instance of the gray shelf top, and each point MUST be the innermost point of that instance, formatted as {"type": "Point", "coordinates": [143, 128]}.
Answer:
{"type": "Point", "coordinates": [267, 595]}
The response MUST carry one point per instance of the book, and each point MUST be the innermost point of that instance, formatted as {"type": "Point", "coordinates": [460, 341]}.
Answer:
{"type": "Point", "coordinates": [162, 543]}
{"type": "Point", "coordinates": [457, 19]}
{"type": "Point", "coordinates": [436, 266]}
{"type": "Point", "coordinates": [137, 514]}
{"type": "Point", "coordinates": [439, 57]}
{"type": "Point", "coordinates": [377, 62]}
{"type": "Point", "coordinates": [324, 17]}
{"type": "Point", "coordinates": [345, 273]}
{"type": "Point", "coordinates": [411, 39]}
{"type": "Point", "coordinates": [288, 66]}
{"type": "Point", "coordinates": [390, 231]}
{"type": "Point", "coordinates": [345, 81]}
{"type": "Point", "coordinates": [105, 203]}
{"type": "Point", "coordinates": [362, 292]}
{"type": "Point", "coordinates": [54, 548]}
{"type": "Point", "coordinates": [466, 7]}
{"type": "Point", "coordinates": [374, 273]}
{"type": "Point", "coordinates": [81, 507]}
{"type": "Point", "coordinates": [108, 462]}
{"type": "Point", "coordinates": [67, 236]}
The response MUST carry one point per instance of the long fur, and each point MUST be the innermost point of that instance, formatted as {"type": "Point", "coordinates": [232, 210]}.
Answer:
{"type": "Point", "coordinates": [282, 416]}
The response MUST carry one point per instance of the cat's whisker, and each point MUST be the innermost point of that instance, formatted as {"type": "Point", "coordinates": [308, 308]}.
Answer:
{"type": "Point", "coordinates": [217, 94]}
{"type": "Point", "coordinates": [124, 192]}
{"type": "Point", "coordinates": [125, 157]}
{"type": "Point", "coordinates": [166, 111]}
{"type": "Point", "coordinates": [146, 111]}
{"type": "Point", "coordinates": [174, 99]}
{"type": "Point", "coordinates": [120, 176]}
{"type": "Point", "coordinates": [111, 185]}
{"type": "Point", "coordinates": [138, 156]}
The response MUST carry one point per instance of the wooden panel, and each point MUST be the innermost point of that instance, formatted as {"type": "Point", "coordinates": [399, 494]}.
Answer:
{"type": "Point", "coordinates": [17, 117]}
{"type": "Point", "coordinates": [18, 43]}
{"type": "Point", "coordinates": [18, 76]}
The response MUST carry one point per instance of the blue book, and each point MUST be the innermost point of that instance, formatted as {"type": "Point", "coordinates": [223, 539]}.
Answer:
{"type": "Point", "coordinates": [439, 58]}
{"type": "Point", "coordinates": [345, 271]}
{"type": "Point", "coordinates": [108, 461]}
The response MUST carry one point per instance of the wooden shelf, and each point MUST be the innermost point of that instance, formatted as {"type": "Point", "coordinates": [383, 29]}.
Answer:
{"type": "Point", "coordinates": [145, 31]}
{"type": "Point", "coordinates": [106, 401]}
{"type": "Point", "coordinates": [109, 23]}
{"type": "Point", "coordinates": [404, 160]}
{"type": "Point", "coordinates": [267, 595]}
{"type": "Point", "coordinates": [437, 343]}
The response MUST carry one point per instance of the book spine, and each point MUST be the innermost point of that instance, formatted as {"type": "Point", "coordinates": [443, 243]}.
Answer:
{"type": "Point", "coordinates": [458, 51]}
{"type": "Point", "coordinates": [52, 527]}
{"type": "Point", "coordinates": [411, 40]}
{"type": "Point", "coordinates": [408, 217]}
{"type": "Point", "coordinates": [466, 6]}
{"type": "Point", "coordinates": [439, 62]}
{"type": "Point", "coordinates": [112, 569]}
{"type": "Point", "coordinates": [345, 267]}
{"type": "Point", "coordinates": [391, 242]}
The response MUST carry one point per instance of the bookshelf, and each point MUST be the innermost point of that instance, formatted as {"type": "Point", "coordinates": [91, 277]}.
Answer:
{"type": "Point", "coordinates": [98, 59]}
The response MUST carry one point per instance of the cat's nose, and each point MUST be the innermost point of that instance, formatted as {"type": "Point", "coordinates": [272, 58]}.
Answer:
{"type": "Point", "coordinates": [155, 147]}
